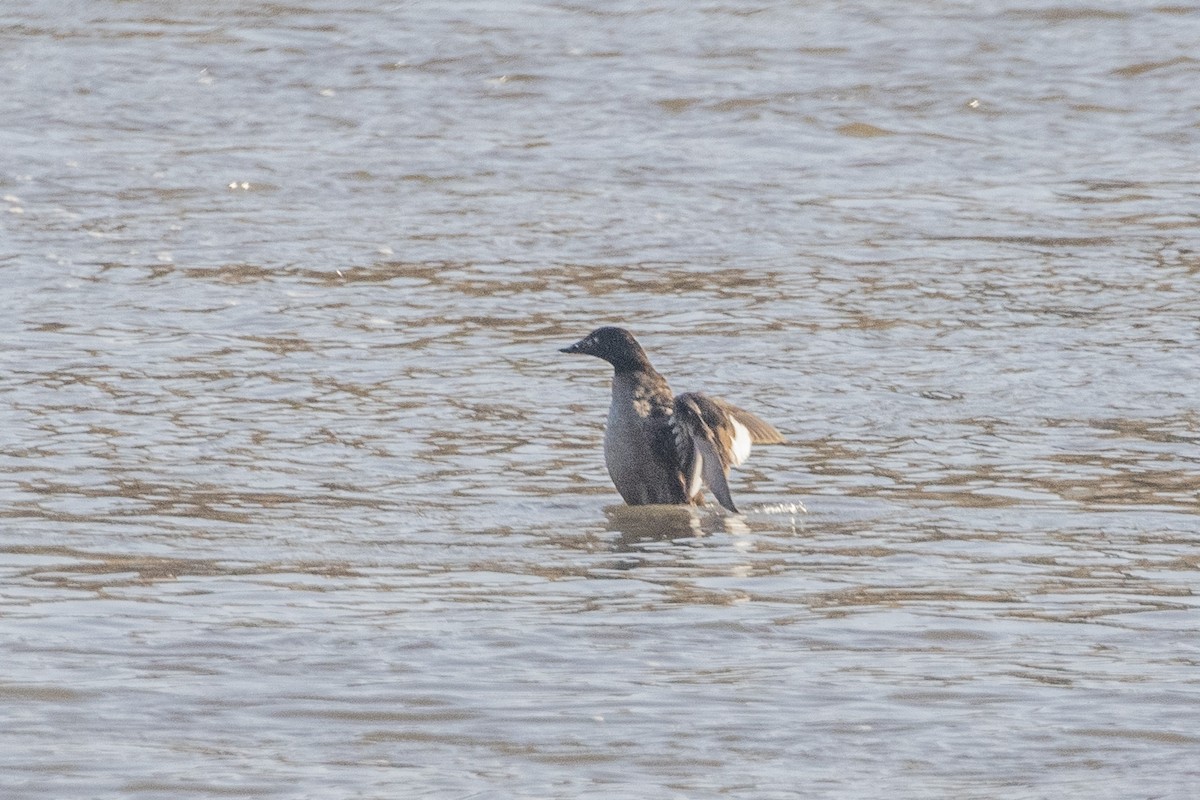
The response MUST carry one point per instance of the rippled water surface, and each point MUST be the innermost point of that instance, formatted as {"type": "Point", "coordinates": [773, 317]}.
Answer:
{"type": "Point", "coordinates": [300, 500]}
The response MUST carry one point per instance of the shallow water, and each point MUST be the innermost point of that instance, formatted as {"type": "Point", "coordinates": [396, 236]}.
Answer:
{"type": "Point", "coordinates": [300, 500]}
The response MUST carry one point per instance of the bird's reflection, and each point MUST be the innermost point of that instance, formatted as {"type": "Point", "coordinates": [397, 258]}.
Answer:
{"type": "Point", "coordinates": [641, 525]}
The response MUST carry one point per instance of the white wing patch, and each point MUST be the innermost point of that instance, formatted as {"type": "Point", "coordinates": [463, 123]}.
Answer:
{"type": "Point", "coordinates": [693, 480]}
{"type": "Point", "coordinates": [739, 448]}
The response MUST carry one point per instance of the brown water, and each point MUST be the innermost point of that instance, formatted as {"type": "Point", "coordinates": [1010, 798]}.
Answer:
{"type": "Point", "coordinates": [299, 500]}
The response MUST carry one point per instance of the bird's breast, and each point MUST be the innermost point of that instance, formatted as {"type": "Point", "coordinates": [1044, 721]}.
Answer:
{"type": "Point", "coordinates": [640, 474]}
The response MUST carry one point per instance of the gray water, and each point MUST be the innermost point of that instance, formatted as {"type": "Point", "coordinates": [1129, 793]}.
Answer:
{"type": "Point", "coordinates": [300, 500]}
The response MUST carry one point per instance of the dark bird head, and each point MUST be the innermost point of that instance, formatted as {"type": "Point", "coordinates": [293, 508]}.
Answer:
{"type": "Point", "coordinates": [615, 345]}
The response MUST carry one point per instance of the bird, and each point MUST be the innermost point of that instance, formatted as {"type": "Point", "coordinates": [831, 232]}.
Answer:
{"type": "Point", "coordinates": [659, 447]}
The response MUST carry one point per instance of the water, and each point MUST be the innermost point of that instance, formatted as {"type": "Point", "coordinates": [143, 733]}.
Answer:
{"type": "Point", "coordinates": [300, 500]}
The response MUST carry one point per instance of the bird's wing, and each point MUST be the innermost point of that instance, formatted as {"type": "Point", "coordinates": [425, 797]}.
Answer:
{"type": "Point", "coordinates": [716, 474]}
{"type": "Point", "coordinates": [715, 438]}
{"type": "Point", "coordinates": [674, 459]}
{"type": "Point", "coordinates": [761, 431]}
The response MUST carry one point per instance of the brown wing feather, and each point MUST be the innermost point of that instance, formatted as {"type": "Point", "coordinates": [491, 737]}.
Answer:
{"type": "Point", "coordinates": [761, 431]}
